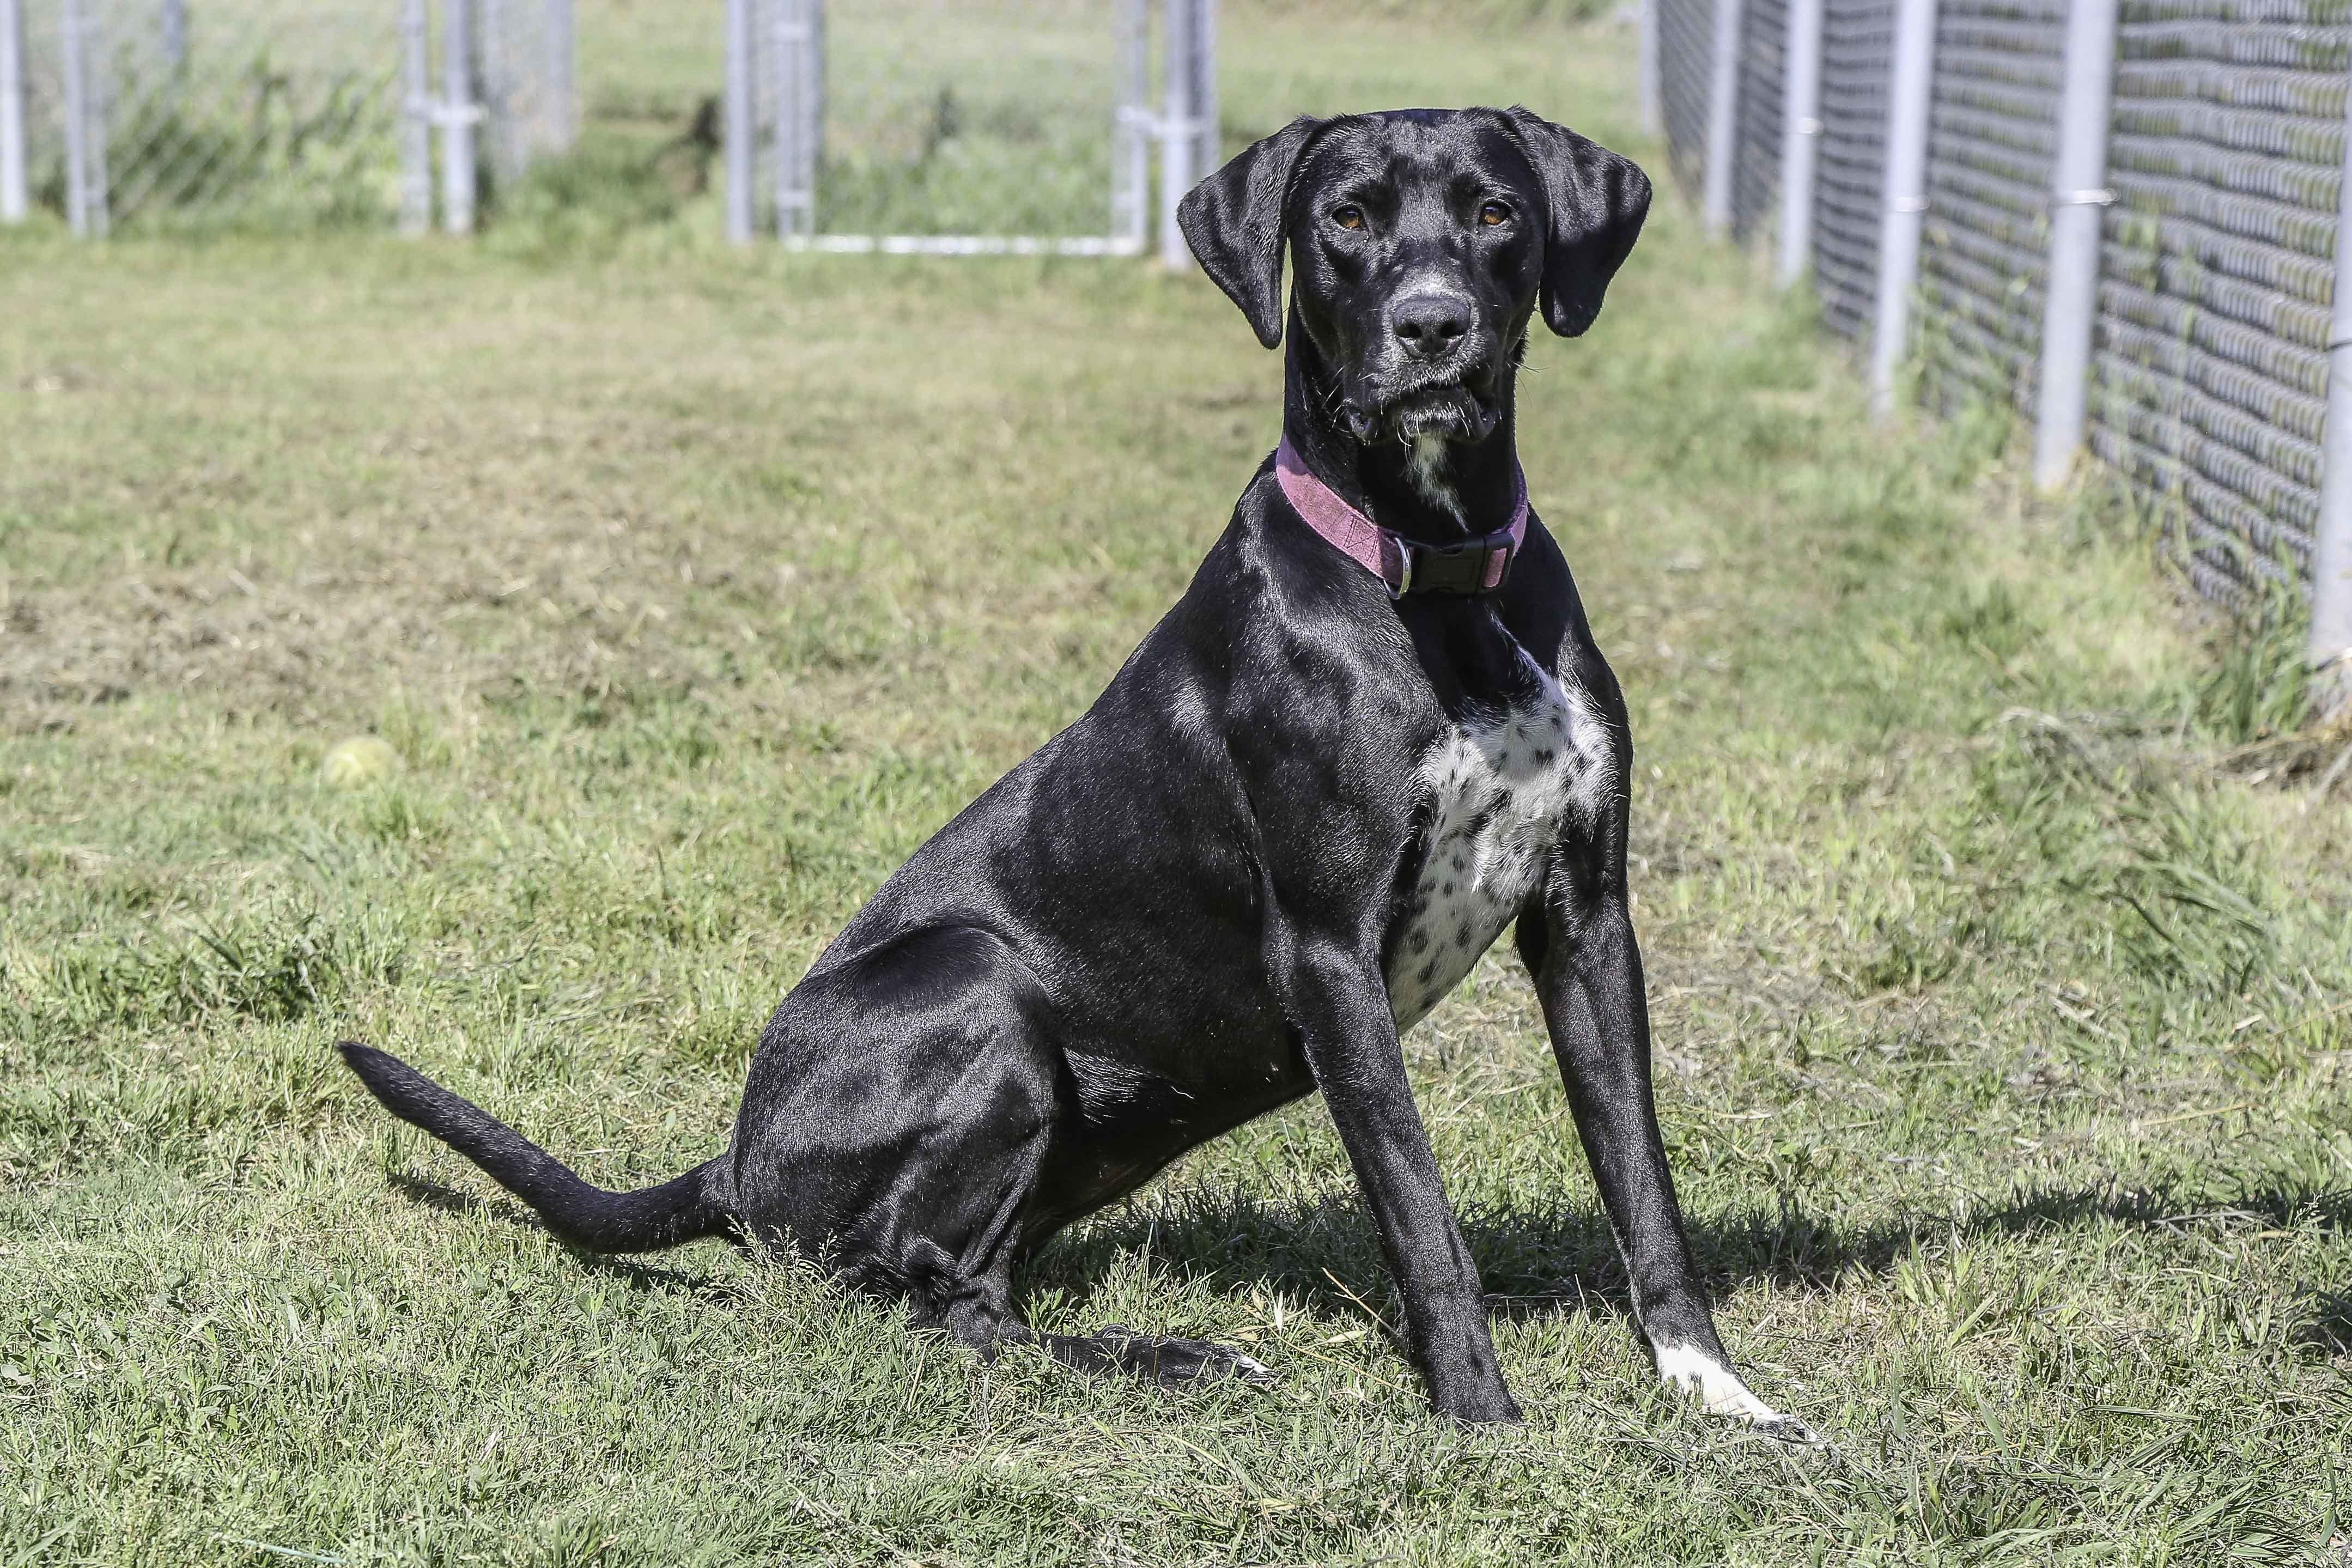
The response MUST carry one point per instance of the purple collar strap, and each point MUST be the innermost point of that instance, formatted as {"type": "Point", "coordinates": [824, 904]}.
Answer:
{"type": "Point", "coordinates": [1407, 566]}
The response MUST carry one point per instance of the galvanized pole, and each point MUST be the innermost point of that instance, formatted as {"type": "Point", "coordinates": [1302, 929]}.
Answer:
{"type": "Point", "coordinates": [85, 122]}
{"type": "Point", "coordinates": [458, 113]}
{"type": "Point", "coordinates": [1722, 118]}
{"type": "Point", "coordinates": [1130, 125]}
{"type": "Point", "coordinates": [14, 194]}
{"type": "Point", "coordinates": [796, 68]}
{"type": "Point", "coordinates": [562, 114]}
{"type": "Point", "coordinates": [1800, 141]}
{"type": "Point", "coordinates": [2069, 304]}
{"type": "Point", "coordinates": [1178, 136]}
{"type": "Point", "coordinates": [739, 121]}
{"type": "Point", "coordinates": [1909, 95]}
{"type": "Point", "coordinates": [1645, 69]}
{"type": "Point", "coordinates": [416, 131]}
{"type": "Point", "coordinates": [2331, 561]}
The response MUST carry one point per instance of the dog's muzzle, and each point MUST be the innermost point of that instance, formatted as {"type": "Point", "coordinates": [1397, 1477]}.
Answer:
{"type": "Point", "coordinates": [1458, 406]}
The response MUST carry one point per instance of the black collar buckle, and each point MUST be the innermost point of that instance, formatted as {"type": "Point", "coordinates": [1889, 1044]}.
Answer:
{"type": "Point", "coordinates": [1462, 569]}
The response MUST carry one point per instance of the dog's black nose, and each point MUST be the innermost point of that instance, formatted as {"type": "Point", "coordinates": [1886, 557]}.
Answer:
{"type": "Point", "coordinates": [1429, 325]}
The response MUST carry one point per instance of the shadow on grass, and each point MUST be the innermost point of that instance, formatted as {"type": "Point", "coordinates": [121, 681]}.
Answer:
{"type": "Point", "coordinates": [637, 1276]}
{"type": "Point", "coordinates": [1539, 1261]}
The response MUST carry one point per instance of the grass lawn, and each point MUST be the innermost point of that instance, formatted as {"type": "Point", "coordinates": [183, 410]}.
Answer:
{"type": "Point", "coordinates": [2003, 997]}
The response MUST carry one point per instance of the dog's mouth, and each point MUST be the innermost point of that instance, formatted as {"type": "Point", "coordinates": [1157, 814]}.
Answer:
{"type": "Point", "coordinates": [1456, 410]}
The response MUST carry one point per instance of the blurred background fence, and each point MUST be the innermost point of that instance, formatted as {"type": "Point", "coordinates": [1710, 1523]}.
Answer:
{"type": "Point", "coordinates": [2122, 218]}
{"type": "Point", "coordinates": [944, 125]}
{"type": "Point", "coordinates": [980, 126]}
{"type": "Point", "coordinates": [2124, 221]}
{"type": "Point", "coordinates": [194, 114]}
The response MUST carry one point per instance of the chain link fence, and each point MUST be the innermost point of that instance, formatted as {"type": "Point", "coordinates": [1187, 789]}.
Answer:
{"type": "Point", "coordinates": [2218, 273]}
{"type": "Point", "coordinates": [983, 117]}
{"type": "Point", "coordinates": [943, 126]}
{"type": "Point", "coordinates": [1756, 157]}
{"type": "Point", "coordinates": [1858, 44]}
{"type": "Point", "coordinates": [175, 113]}
{"type": "Point", "coordinates": [1992, 144]}
{"type": "Point", "coordinates": [1685, 75]}
{"type": "Point", "coordinates": [180, 115]}
{"type": "Point", "coordinates": [526, 86]}
{"type": "Point", "coordinates": [2198, 368]}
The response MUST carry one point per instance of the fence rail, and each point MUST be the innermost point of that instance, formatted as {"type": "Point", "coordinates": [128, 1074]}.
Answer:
{"type": "Point", "coordinates": [2126, 221]}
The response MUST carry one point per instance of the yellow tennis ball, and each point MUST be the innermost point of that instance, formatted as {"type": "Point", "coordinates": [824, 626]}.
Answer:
{"type": "Point", "coordinates": [362, 760]}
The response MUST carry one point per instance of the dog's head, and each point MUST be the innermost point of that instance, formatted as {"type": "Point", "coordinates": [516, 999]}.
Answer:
{"type": "Point", "coordinates": [1420, 243]}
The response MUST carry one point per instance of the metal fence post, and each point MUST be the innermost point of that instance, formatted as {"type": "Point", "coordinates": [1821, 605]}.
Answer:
{"type": "Point", "coordinates": [417, 107]}
{"type": "Point", "coordinates": [1910, 93]}
{"type": "Point", "coordinates": [1800, 141]}
{"type": "Point", "coordinates": [14, 193]}
{"type": "Point", "coordinates": [1178, 137]}
{"type": "Point", "coordinates": [739, 116]}
{"type": "Point", "coordinates": [86, 196]}
{"type": "Point", "coordinates": [458, 112]}
{"type": "Point", "coordinates": [1130, 125]}
{"type": "Point", "coordinates": [2331, 561]}
{"type": "Point", "coordinates": [1645, 68]}
{"type": "Point", "coordinates": [1722, 118]}
{"type": "Point", "coordinates": [562, 116]}
{"type": "Point", "coordinates": [800, 72]}
{"type": "Point", "coordinates": [2078, 205]}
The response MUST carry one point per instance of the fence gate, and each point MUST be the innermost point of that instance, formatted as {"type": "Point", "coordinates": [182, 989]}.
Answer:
{"type": "Point", "coordinates": [970, 127]}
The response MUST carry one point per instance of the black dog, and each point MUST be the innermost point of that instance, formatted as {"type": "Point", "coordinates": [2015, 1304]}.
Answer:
{"type": "Point", "coordinates": [1297, 818]}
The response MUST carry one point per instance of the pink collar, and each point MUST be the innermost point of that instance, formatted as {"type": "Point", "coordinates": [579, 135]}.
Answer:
{"type": "Point", "coordinates": [1470, 566]}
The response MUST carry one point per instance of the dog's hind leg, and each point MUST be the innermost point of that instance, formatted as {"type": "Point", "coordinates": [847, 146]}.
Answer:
{"type": "Point", "coordinates": [1171, 1363]}
{"type": "Point", "coordinates": [982, 1318]}
{"type": "Point", "coordinates": [898, 1119]}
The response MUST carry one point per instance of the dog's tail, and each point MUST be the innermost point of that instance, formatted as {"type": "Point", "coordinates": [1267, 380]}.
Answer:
{"type": "Point", "coordinates": [700, 1203]}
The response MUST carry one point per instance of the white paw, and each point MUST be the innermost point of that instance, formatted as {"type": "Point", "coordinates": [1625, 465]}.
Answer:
{"type": "Point", "coordinates": [1721, 1392]}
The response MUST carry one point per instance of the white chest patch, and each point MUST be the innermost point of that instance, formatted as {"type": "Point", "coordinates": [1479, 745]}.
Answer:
{"type": "Point", "coordinates": [1500, 789]}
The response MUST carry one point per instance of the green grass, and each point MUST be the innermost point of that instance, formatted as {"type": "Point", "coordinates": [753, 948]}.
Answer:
{"type": "Point", "coordinates": [2003, 1006]}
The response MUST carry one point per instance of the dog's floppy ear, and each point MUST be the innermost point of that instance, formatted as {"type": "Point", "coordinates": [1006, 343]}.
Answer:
{"type": "Point", "coordinates": [1233, 221]}
{"type": "Point", "coordinates": [1598, 201]}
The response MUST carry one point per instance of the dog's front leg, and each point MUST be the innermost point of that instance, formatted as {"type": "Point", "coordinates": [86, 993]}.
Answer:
{"type": "Point", "coordinates": [1340, 1006]}
{"type": "Point", "coordinates": [1577, 938]}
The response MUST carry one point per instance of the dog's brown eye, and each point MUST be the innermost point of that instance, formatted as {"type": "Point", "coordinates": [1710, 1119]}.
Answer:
{"type": "Point", "coordinates": [1494, 213]}
{"type": "Point", "coordinates": [1348, 217]}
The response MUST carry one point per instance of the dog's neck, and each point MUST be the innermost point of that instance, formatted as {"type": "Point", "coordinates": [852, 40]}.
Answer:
{"type": "Point", "coordinates": [1433, 490]}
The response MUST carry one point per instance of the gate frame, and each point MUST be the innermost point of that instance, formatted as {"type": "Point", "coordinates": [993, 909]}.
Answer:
{"type": "Point", "coordinates": [1186, 129]}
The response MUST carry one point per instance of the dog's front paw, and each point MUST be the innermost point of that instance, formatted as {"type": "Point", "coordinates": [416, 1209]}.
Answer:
{"type": "Point", "coordinates": [1720, 1391]}
{"type": "Point", "coordinates": [1790, 1430]}
{"type": "Point", "coordinates": [1492, 1406]}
